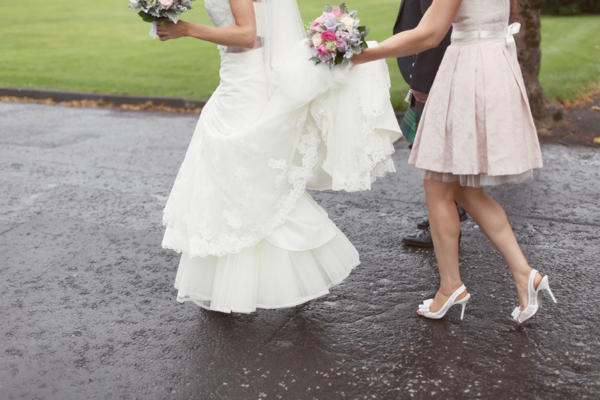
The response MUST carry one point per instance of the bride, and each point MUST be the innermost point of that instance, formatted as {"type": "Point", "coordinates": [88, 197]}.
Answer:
{"type": "Point", "coordinates": [248, 233]}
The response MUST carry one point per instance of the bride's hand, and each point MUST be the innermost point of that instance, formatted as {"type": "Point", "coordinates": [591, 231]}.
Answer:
{"type": "Point", "coordinates": [169, 30]}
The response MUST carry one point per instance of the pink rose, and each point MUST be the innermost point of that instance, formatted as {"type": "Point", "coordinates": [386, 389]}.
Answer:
{"type": "Point", "coordinates": [166, 3]}
{"type": "Point", "coordinates": [328, 35]}
{"type": "Point", "coordinates": [322, 49]}
{"type": "Point", "coordinates": [336, 12]}
{"type": "Point", "coordinates": [344, 15]}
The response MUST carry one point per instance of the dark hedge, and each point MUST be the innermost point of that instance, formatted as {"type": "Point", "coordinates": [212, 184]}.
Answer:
{"type": "Point", "coordinates": [573, 7]}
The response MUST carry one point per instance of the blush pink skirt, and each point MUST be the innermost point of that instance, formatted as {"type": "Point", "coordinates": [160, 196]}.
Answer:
{"type": "Point", "coordinates": [477, 126]}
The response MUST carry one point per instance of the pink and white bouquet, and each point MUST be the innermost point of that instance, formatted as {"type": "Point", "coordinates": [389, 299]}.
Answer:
{"type": "Point", "coordinates": [336, 36]}
{"type": "Point", "coordinates": [158, 11]}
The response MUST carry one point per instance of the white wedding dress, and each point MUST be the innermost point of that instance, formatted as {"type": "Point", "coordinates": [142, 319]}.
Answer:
{"type": "Point", "coordinates": [250, 235]}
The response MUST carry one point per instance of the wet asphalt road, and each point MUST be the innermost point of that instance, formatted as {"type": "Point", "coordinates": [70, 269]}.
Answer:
{"type": "Point", "coordinates": [89, 311]}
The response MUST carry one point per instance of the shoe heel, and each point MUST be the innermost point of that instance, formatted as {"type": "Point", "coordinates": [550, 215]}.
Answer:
{"type": "Point", "coordinates": [463, 303]}
{"type": "Point", "coordinates": [544, 285]}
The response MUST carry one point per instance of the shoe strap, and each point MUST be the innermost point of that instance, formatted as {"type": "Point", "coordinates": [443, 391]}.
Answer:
{"type": "Point", "coordinates": [457, 293]}
{"type": "Point", "coordinates": [532, 276]}
{"type": "Point", "coordinates": [530, 288]}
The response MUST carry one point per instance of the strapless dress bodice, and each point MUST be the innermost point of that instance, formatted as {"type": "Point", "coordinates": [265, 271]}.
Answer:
{"type": "Point", "coordinates": [220, 14]}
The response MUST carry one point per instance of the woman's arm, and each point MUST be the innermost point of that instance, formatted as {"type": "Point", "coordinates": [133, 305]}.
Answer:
{"type": "Point", "coordinates": [428, 34]}
{"type": "Point", "coordinates": [242, 34]}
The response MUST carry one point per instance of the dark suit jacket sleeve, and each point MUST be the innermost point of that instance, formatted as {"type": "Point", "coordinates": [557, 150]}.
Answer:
{"type": "Point", "coordinates": [425, 4]}
{"type": "Point", "coordinates": [418, 70]}
{"type": "Point", "coordinates": [426, 66]}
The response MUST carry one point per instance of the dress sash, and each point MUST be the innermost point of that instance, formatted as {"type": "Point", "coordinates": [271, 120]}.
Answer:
{"type": "Point", "coordinates": [507, 34]}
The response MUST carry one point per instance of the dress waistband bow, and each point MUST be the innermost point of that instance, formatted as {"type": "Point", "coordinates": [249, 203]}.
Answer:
{"type": "Point", "coordinates": [507, 34]}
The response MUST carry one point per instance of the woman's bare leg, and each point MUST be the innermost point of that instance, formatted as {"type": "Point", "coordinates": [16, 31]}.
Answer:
{"type": "Point", "coordinates": [445, 231]}
{"type": "Point", "coordinates": [492, 220]}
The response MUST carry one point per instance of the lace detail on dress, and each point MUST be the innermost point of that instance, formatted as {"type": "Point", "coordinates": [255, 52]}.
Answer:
{"type": "Point", "coordinates": [219, 12]}
{"type": "Point", "coordinates": [236, 227]}
{"type": "Point", "coordinates": [378, 148]}
{"type": "Point", "coordinates": [357, 157]}
{"type": "Point", "coordinates": [245, 170]}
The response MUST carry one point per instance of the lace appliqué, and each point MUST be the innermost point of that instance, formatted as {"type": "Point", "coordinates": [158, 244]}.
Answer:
{"type": "Point", "coordinates": [371, 156]}
{"type": "Point", "coordinates": [193, 234]}
{"type": "Point", "coordinates": [236, 186]}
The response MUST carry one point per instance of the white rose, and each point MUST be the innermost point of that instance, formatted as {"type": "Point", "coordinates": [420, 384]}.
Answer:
{"type": "Point", "coordinates": [316, 39]}
{"type": "Point", "coordinates": [348, 22]}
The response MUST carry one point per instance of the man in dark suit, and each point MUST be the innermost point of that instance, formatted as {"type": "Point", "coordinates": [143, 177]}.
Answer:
{"type": "Point", "coordinates": [419, 72]}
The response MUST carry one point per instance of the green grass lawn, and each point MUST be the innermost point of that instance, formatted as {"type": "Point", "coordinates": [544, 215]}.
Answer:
{"type": "Point", "coordinates": [570, 56]}
{"type": "Point", "coordinates": [103, 47]}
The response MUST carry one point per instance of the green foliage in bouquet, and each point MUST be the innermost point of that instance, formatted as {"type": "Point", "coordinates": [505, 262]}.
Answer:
{"type": "Point", "coordinates": [160, 10]}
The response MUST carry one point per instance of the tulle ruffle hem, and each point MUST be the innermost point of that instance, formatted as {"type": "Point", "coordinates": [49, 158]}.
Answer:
{"type": "Point", "coordinates": [264, 276]}
{"type": "Point", "coordinates": [479, 180]}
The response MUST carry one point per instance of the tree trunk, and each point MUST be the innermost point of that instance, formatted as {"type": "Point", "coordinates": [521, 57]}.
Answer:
{"type": "Point", "coordinates": [528, 13]}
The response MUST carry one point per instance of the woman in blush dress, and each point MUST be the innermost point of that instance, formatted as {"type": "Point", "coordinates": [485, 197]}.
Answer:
{"type": "Point", "coordinates": [476, 130]}
{"type": "Point", "coordinates": [249, 233]}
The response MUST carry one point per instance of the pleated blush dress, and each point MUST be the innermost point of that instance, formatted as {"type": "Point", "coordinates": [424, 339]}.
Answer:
{"type": "Point", "coordinates": [477, 127]}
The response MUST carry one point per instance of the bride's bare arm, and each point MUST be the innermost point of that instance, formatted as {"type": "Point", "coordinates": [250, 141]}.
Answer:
{"type": "Point", "coordinates": [242, 34]}
{"type": "Point", "coordinates": [428, 34]}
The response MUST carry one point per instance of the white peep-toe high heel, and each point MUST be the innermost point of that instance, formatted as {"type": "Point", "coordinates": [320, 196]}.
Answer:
{"type": "Point", "coordinates": [424, 308]}
{"type": "Point", "coordinates": [533, 305]}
